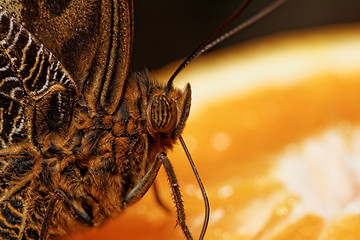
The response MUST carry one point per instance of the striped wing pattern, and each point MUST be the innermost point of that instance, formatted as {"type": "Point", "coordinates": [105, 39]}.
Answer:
{"type": "Point", "coordinates": [30, 75]}
{"type": "Point", "coordinates": [92, 39]}
{"type": "Point", "coordinates": [36, 96]}
{"type": "Point", "coordinates": [12, 117]}
{"type": "Point", "coordinates": [15, 190]}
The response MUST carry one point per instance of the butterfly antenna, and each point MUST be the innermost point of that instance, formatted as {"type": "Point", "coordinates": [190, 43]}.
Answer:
{"type": "Point", "coordinates": [209, 42]}
{"type": "Point", "coordinates": [203, 192]}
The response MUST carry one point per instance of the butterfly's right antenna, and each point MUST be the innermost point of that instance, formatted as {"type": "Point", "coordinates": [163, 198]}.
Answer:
{"type": "Point", "coordinates": [209, 42]}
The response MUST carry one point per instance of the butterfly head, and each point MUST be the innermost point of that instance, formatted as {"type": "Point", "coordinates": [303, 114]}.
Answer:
{"type": "Point", "coordinates": [167, 112]}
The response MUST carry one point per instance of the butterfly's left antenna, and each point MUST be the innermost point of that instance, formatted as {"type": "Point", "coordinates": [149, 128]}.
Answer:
{"type": "Point", "coordinates": [208, 43]}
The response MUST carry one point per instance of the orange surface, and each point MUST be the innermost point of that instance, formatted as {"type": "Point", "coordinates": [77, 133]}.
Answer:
{"type": "Point", "coordinates": [246, 146]}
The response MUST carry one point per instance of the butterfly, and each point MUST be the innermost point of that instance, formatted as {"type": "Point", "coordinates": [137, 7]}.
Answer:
{"type": "Point", "coordinates": [80, 140]}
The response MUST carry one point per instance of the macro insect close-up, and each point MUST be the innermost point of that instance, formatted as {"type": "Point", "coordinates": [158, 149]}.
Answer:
{"type": "Point", "coordinates": [82, 138]}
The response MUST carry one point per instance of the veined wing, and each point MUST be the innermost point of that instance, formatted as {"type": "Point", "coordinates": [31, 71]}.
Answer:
{"type": "Point", "coordinates": [92, 39]}
{"type": "Point", "coordinates": [36, 94]}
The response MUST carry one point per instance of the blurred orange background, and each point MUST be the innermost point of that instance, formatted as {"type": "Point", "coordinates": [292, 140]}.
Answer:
{"type": "Point", "coordinates": [274, 132]}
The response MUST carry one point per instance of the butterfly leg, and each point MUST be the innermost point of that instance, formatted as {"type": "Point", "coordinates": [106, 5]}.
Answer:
{"type": "Point", "coordinates": [61, 196]}
{"type": "Point", "coordinates": [47, 218]}
{"type": "Point", "coordinates": [143, 186]}
{"type": "Point", "coordinates": [140, 189]}
{"type": "Point", "coordinates": [174, 184]}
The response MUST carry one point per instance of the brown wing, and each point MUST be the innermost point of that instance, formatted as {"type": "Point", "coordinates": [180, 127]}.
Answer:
{"type": "Point", "coordinates": [92, 39]}
{"type": "Point", "coordinates": [36, 98]}
{"type": "Point", "coordinates": [19, 205]}
{"type": "Point", "coordinates": [36, 94]}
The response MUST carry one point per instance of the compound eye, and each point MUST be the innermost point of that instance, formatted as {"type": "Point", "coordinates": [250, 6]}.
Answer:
{"type": "Point", "coordinates": [162, 114]}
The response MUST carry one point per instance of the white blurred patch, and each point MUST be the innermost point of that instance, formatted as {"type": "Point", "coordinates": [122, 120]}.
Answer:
{"type": "Point", "coordinates": [225, 192]}
{"type": "Point", "coordinates": [193, 190]}
{"type": "Point", "coordinates": [324, 172]}
{"type": "Point", "coordinates": [221, 141]}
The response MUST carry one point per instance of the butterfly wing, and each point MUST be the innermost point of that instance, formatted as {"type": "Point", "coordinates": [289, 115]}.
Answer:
{"type": "Point", "coordinates": [21, 210]}
{"type": "Point", "coordinates": [36, 98]}
{"type": "Point", "coordinates": [12, 108]}
{"type": "Point", "coordinates": [92, 39]}
{"type": "Point", "coordinates": [37, 95]}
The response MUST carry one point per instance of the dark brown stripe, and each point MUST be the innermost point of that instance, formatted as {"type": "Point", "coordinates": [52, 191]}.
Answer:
{"type": "Point", "coordinates": [108, 58]}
